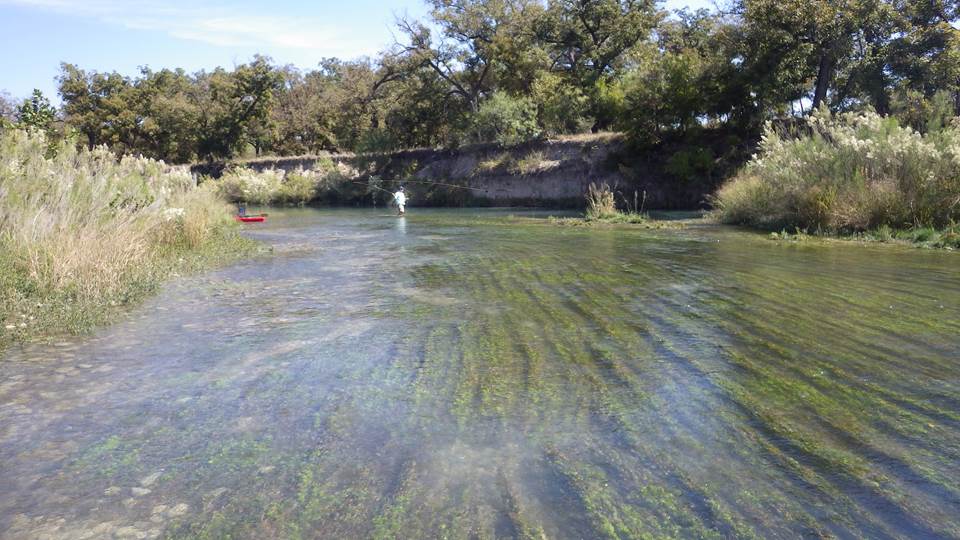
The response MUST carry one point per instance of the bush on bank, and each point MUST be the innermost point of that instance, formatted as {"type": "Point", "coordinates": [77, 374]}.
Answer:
{"type": "Point", "coordinates": [274, 186]}
{"type": "Point", "coordinates": [848, 173]}
{"type": "Point", "coordinates": [81, 232]}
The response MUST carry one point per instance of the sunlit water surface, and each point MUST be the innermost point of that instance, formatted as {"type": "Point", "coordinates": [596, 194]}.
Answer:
{"type": "Point", "coordinates": [464, 374]}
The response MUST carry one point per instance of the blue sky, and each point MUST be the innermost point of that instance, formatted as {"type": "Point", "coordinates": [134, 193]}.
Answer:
{"type": "Point", "coordinates": [107, 35]}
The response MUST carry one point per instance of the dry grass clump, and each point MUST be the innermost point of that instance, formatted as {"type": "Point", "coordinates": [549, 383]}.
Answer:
{"type": "Point", "coordinates": [81, 231]}
{"type": "Point", "coordinates": [600, 202]}
{"type": "Point", "coordinates": [501, 160]}
{"type": "Point", "coordinates": [531, 162]}
{"type": "Point", "coordinates": [847, 173]}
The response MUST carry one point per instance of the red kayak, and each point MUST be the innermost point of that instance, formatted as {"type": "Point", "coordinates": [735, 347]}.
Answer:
{"type": "Point", "coordinates": [252, 219]}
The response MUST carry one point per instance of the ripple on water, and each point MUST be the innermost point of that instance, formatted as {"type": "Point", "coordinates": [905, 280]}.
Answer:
{"type": "Point", "coordinates": [451, 377]}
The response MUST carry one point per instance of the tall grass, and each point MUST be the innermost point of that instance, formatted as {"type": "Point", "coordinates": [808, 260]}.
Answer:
{"type": "Point", "coordinates": [81, 232]}
{"type": "Point", "coordinates": [602, 207]}
{"type": "Point", "coordinates": [848, 173]}
{"type": "Point", "coordinates": [600, 201]}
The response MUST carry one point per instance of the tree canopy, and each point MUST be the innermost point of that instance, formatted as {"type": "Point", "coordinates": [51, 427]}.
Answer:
{"type": "Point", "coordinates": [510, 70]}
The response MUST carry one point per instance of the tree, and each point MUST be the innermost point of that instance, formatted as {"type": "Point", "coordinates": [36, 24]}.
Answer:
{"type": "Point", "coordinates": [561, 104]}
{"type": "Point", "coordinates": [36, 112]}
{"type": "Point", "coordinates": [99, 106]}
{"type": "Point", "coordinates": [506, 119]}
{"type": "Point", "coordinates": [924, 54]}
{"type": "Point", "coordinates": [464, 66]}
{"type": "Point", "coordinates": [232, 103]}
{"type": "Point", "coordinates": [849, 53]}
{"type": "Point", "coordinates": [587, 39]}
{"type": "Point", "coordinates": [170, 115]}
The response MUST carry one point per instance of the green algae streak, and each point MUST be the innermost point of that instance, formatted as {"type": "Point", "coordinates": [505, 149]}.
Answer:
{"type": "Point", "coordinates": [477, 375]}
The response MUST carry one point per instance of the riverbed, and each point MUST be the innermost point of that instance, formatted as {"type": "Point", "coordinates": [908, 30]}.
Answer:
{"type": "Point", "coordinates": [480, 374]}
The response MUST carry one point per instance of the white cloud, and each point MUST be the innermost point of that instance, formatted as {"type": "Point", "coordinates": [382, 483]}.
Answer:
{"type": "Point", "coordinates": [218, 25]}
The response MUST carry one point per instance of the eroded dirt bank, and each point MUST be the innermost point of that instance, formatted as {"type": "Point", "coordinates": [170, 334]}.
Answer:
{"type": "Point", "coordinates": [550, 173]}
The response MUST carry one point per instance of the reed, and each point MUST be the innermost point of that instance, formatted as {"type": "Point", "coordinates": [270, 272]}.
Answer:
{"type": "Point", "coordinates": [600, 202]}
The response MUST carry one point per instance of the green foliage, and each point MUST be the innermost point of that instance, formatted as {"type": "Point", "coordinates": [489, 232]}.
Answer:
{"type": "Point", "coordinates": [588, 39]}
{"type": "Point", "coordinates": [562, 107]}
{"type": "Point", "coordinates": [36, 112]}
{"type": "Point", "coordinates": [170, 115]}
{"type": "Point", "coordinates": [376, 141]}
{"type": "Point", "coordinates": [506, 119]}
{"type": "Point", "coordinates": [690, 164]}
{"type": "Point", "coordinates": [514, 71]}
{"type": "Point", "coordinates": [850, 172]}
{"type": "Point", "coordinates": [923, 114]}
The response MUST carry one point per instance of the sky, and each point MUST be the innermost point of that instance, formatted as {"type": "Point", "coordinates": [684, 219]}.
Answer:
{"type": "Point", "coordinates": [121, 35]}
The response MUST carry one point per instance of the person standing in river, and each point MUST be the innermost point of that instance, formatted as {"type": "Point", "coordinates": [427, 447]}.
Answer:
{"type": "Point", "coordinates": [401, 199]}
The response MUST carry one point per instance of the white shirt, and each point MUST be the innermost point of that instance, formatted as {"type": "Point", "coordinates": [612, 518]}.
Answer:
{"type": "Point", "coordinates": [400, 198]}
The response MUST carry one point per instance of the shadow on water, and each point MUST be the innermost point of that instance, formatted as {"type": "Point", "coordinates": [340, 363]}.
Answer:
{"type": "Point", "coordinates": [444, 374]}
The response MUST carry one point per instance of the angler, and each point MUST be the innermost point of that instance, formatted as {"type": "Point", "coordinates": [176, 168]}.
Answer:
{"type": "Point", "coordinates": [401, 199]}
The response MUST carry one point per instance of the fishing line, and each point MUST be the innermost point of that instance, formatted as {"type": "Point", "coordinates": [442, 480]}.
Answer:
{"type": "Point", "coordinates": [443, 184]}
{"type": "Point", "coordinates": [359, 182]}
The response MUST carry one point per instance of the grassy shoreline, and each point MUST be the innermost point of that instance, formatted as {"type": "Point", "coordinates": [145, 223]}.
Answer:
{"type": "Point", "coordinates": [947, 239]}
{"type": "Point", "coordinates": [52, 313]}
{"type": "Point", "coordinates": [83, 234]}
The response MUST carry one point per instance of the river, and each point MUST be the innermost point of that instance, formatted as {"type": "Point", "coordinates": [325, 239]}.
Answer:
{"type": "Point", "coordinates": [472, 374]}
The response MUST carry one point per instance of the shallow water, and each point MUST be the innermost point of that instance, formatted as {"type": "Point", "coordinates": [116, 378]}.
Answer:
{"type": "Point", "coordinates": [462, 374]}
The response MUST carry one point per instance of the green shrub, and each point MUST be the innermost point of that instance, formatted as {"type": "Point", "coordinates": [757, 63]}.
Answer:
{"type": "Point", "coordinates": [690, 164]}
{"type": "Point", "coordinates": [562, 106]}
{"type": "Point", "coordinates": [506, 119]}
{"type": "Point", "coordinates": [502, 160]}
{"type": "Point", "coordinates": [921, 113]}
{"type": "Point", "coordinates": [376, 141]}
{"type": "Point", "coordinates": [296, 188]}
{"type": "Point", "coordinates": [241, 184]}
{"type": "Point", "coordinates": [274, 186]}
{"type": "Point", "coordinates": [851, 172]}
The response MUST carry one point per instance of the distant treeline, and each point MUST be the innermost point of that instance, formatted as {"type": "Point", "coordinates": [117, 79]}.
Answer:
{"type": "Point", "coordinates": [514, 70]}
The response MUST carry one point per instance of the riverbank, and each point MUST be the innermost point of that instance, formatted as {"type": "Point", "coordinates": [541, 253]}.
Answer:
{"type": "Point", "coordinates": [82, 235]}
{"type": "Point", "coordinates": [920, 237]}
{"type": "Point", "coordinates": [551, 173]}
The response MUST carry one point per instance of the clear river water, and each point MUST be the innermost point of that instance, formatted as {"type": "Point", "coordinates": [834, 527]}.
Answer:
{"type": "Point", "coordinates": [468, 374]}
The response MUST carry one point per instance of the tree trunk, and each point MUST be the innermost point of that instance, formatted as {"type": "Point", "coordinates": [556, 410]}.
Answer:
{"type": "Point", "coordinates": [824, 78]}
